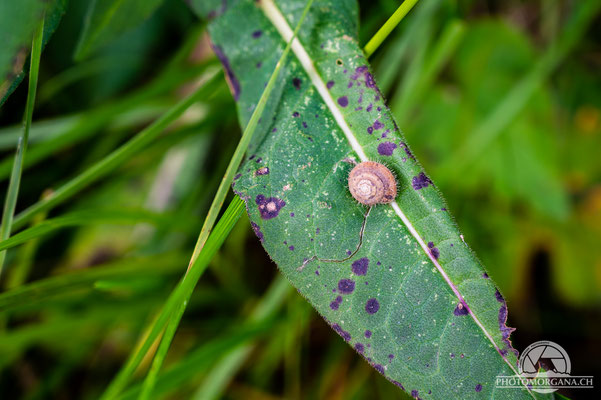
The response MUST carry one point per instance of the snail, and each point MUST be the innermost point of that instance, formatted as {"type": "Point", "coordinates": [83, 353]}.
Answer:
{"type": "Point", "coordinates": [372, 183]}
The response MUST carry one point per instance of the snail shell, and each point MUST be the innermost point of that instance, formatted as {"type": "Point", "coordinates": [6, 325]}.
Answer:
{"type": "Point", "coordinates": [372, 183]}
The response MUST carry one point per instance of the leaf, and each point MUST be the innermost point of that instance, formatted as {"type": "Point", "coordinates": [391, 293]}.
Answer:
{"type": "Point", "coordinates": [107, 19]}
{"type": "Point", "coordinates": [18, 21]}
{"type": "Point", "coordinates": [409, 295]}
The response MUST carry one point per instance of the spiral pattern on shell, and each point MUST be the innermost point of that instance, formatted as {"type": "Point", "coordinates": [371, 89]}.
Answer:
{"type": "Point", "coordinates": [372, 183]}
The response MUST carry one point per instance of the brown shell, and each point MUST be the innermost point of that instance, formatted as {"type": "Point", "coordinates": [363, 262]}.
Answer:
{"type": "Point", "coordinates": [372, 183]}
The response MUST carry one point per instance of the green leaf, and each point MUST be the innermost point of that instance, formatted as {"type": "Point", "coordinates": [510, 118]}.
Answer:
{"type": "Point", "coordinates": [409, 295]}
{"type": "Point", "coordinates": [18, 22]}
{"type": "Point", "coordinates": [107, 19]}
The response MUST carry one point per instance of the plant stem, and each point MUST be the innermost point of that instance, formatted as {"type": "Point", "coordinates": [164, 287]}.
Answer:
{"type": "Point", "coordinates": [180, 295]}
{"type": "Point", "coordinates": [12, 194]}
{"type": "Point", "coordinates": [388, 27]}
{"type": "Point", "coordinates": [242, 146]}
{"type": "Point", "coordinates": [216, 205]}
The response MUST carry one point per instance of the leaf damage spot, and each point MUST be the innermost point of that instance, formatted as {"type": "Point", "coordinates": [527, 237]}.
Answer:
{"type": "Point", "coordinates": [346, 286]}
{"type": "Point", "coordinates": [360, 266]}
{"type": "Point", "coordinates": [461, 309]}
{"type": "Point", "coordinates": [433, 250]}
{"type": "Point", "coordinates": [296, 82]}
{"type": "Point", "coordinates": [345, 335]}
{"type": "Point", "coordinates": [386, 148]}
{"type": "Point", "coordinates": [407, 151]}
{"type": "Point", "coordinates": [230, 77]}
{"type": "Point", "coordinates": [257, 231]}
{"type": "Point", "coordinates": [336, 303]}
{"type": "Point", "coordinates": [372, 306]}
{"type": "Point", "coordinates": [505, 330]}
{"type": "Point", "coordinates": [269, 207]}
{"type": "Point", "coordinates": [343, 101]}
{"type": "Point", "coordinates": [262, 171]}
{"type": "Point", "coordinates": [421, 181]}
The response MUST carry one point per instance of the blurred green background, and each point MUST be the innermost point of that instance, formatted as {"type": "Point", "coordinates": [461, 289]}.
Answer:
{"type": "Point", "coordinates": [500, 100]}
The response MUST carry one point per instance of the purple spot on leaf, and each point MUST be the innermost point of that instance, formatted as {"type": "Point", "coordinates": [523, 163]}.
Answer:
{"type": "Point", "coordinates": [461, 309]}
{"type": "Point", "coordinates": [398, 384]}
{"type": "Point", "coordinates": [343, 101]}
{"type": "Point", "coordinates": [505, 330]}
{"type": "Point", "coordinates": [386, 148]}
{"type": "Point", "coordinates": [378, 125]}
{"type": "Point", "coordinates": [368, 334]}
{"type": "Point", "coordinates": [360, 266]}
{"type": "Point", "coordinates": [262, 171]}
{"type": "Point", "coordinates": [406, 148]}
{"type": "Point", "coordinates": [345, 335]}
{"type": "Point", "coordinates": [421, 181]}
{"type": "Point", "coordinates": [257, 34]}
{"type": "Point", "coordinates": [372, 306]}
{"type": "Point", "coordinates": [346, 286]}
{"type": "Point", "coordinates": [330, 84]}
{"type": "Point", "coordinates": [379, 368]}
{"type": "Point", "coordinates": [269, 207]}
{"type": "Point", "coordinates": [297, 83]}
{"type": "Point", "coordinates": [229, 73]}
{"type": "Point", "coordinates": [435, 252]}
{"type": "Point", "coordinates": [257, 230]}
{"type": "Point", "coordinates": [478, 388]}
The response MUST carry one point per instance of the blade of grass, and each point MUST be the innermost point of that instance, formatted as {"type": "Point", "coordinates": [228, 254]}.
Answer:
{"type": "Point", "coordinates": [120, 155]}
{"type": "Point", "coordinates": [39, 292]}
{"type": "Point", "coordinates": [517, 98]}
{"type": "Point", "coordinates": [181, 294]}
{"type": "Point", "coordinates": [388, 27]}
{"type": "Point", "coordinates": [25, 256]}
{"type": "Point", "coordinates": [216, 206]}
{"type": "Point", "coordinates": [390, 60]}
{"type": "Point", "coordinates": [92, 217]}
{"type": "Point", "coordinates": [243, 145]}
{"type": "Point", "coordinates": [12, 194]}
{"type": "Point", "coordinates": [67, 131]}
{"type": "Point", "coordinates": [445, 46]}
{"type": "Point", "coordinates": [415, 69]}
{"type": "Point", "coordinates": [220, 375]}
{"type": "Point", "coordinates": [260, 321]}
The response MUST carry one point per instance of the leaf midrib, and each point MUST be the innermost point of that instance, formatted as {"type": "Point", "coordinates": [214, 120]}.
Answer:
{"type": "Point", "coordinates": [274, 15]}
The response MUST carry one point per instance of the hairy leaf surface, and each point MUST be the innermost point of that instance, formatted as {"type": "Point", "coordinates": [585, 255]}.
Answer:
{"type": "Point", "coordinates": [408, 295]}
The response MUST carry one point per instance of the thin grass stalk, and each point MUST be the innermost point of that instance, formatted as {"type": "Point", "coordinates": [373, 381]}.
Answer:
{"type": "Point", "coordinates": [12, 194]}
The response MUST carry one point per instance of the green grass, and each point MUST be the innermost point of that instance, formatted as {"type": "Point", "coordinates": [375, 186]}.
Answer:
{"type": "Point", "coordinates": [127, 164]}
{"type": "Point", "coordinates": [10, 202]}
